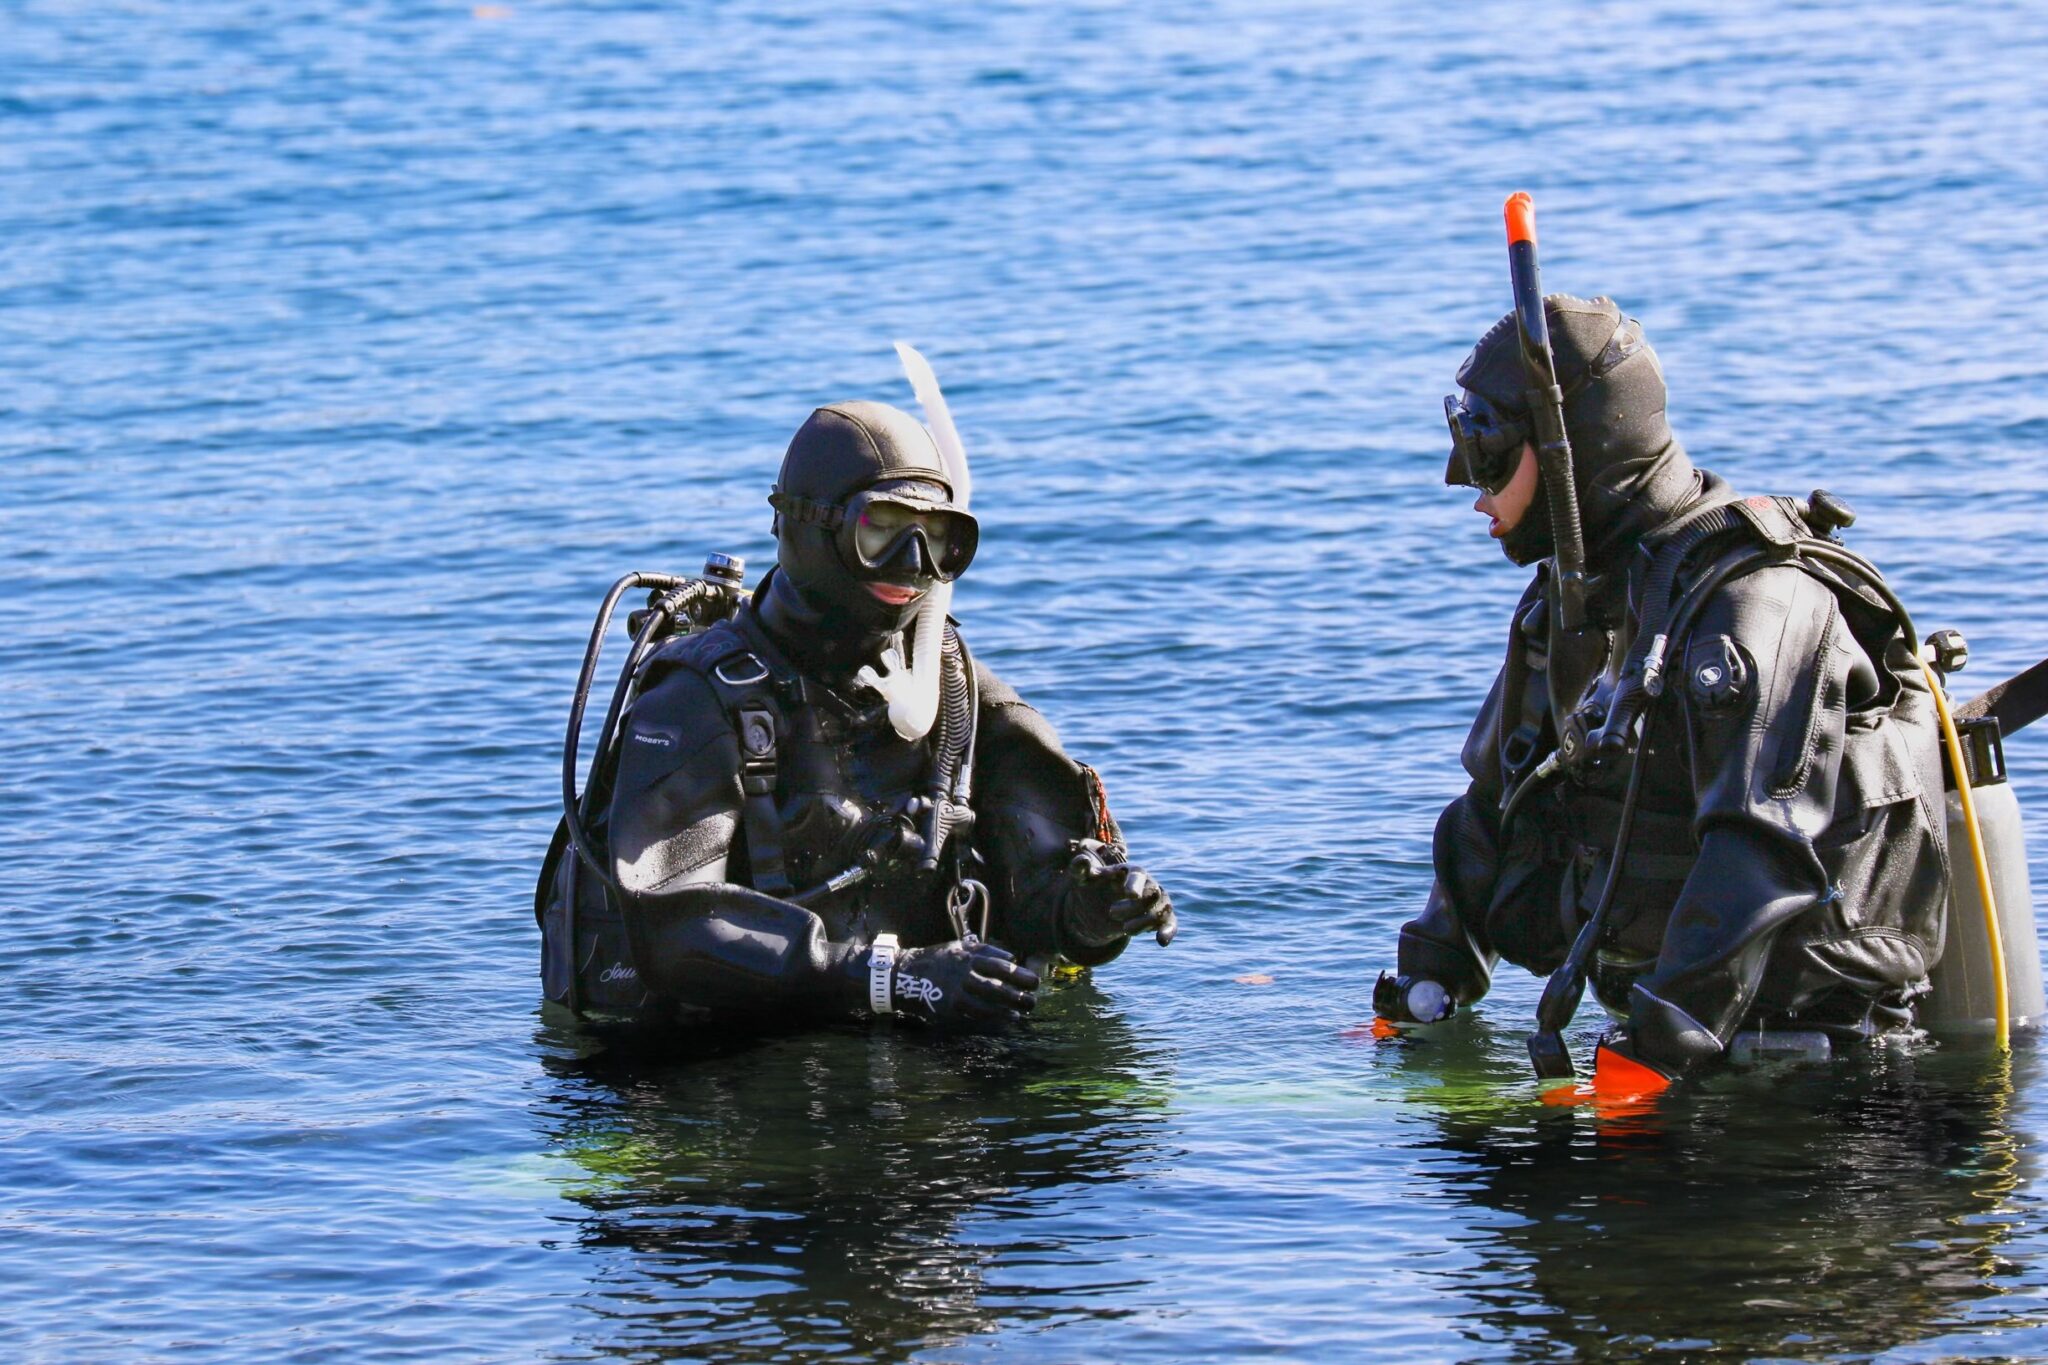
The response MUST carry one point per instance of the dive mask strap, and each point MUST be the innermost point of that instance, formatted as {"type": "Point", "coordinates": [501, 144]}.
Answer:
{"type": "Point", "coordinates": [826, 514]}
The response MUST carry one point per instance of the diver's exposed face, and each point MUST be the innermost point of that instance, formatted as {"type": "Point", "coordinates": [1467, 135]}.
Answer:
{"type": "Point", "coordinates": [893, 595]}
{"type": "Point", "coordinates": [1507, 507]}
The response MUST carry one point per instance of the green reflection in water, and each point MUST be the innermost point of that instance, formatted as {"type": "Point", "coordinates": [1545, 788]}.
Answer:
{"type": "Point", "coordinates": [860, 1192]}
{"type": "Point", "coordinates": [1828, 1212]}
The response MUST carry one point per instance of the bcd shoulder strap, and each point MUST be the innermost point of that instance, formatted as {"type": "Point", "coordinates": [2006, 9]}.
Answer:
{"type": "Point", "coordinates": [746, 688]}
{"type": "Point", "coordinates": [745, 685]}
{"type": "Point", "coordinates": [1775, 520]}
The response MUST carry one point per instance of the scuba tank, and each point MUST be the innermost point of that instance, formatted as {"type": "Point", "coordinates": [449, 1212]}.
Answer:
{"type": "Point", "coordinates": [1979, 964]}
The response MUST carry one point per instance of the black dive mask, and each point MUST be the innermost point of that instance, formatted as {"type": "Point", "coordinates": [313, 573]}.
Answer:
{"type": "Point", "coordinates": [1486, 443]}
{"type": "Point", "coordinates": [888, 531]}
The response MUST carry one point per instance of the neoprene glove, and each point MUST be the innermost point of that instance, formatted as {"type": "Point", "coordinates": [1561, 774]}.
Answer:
{"type": "Point", "coordinates": [952, 983]}
{"type": "Point", "coordinates": [1109, 899]}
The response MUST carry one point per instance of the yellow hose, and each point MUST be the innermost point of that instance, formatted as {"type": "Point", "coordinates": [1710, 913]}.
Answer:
{"type": "Point", "coordinates": [1962, 775]}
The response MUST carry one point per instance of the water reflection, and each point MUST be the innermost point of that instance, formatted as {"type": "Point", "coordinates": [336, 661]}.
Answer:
{"type": "Point", "coordinates": [1800, 1214]}
{"type": "Point", "coordinates": [858, 1193]}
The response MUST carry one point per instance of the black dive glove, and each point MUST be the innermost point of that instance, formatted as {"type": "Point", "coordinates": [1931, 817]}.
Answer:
{"type": "Point", "coordinates": [957, 984]}
{"type": "Point", "coordinates": [1109, 899]}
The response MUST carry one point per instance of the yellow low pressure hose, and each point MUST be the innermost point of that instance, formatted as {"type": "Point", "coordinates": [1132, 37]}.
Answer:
{"type": "Point", "coordinates": [1962, 775]}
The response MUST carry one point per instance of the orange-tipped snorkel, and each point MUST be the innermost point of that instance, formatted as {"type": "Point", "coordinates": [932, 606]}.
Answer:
{"type": "Point", "coordinates": [1546, 411]}
{"type": "Point", "coordinates": [1520, 211]}
{"type": "Point", "coordinates": [1567, 985]}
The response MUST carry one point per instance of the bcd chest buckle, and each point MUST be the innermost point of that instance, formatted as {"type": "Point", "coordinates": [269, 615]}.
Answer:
{"type": "Point", "coordinates": [762, 821]}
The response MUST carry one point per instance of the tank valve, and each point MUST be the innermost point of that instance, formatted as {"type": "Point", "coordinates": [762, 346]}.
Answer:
{"type": "Point", "coordinates": [1826, 513]}
{"type": "Point", "coordinates": [727, 571]}
{"type": "Point", "coordinates": [1948, 651]}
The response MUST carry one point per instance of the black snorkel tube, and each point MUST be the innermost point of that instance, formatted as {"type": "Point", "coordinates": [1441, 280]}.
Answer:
{"type": "Point", "coordinates": [1545, 399]}
{"type": "Point", "coordinates": [1546, 412]}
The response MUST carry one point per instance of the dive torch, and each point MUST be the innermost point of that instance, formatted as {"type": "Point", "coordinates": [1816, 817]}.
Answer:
{"type": "Point", "coordinates": [1546, 411]}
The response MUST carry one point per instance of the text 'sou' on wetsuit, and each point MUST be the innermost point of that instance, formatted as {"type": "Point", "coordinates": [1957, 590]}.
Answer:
{"type": "Point", "coordinates": [1788, 865]}
{"type": "Point", "coordinates": [843, 781]}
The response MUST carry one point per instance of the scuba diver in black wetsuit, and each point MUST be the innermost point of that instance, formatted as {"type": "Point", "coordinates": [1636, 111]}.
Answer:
{"type": "Point", "coordinates": [824, 804]}
{"type": "Point", "coordinates": [1759, 843]}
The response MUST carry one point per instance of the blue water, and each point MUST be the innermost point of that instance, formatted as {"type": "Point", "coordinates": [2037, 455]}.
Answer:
{"type": "Point", "coordinates": [348, 352]}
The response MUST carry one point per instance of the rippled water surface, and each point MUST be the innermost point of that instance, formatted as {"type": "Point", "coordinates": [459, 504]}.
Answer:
{"type": "Point", "coordinates": [348, 352]}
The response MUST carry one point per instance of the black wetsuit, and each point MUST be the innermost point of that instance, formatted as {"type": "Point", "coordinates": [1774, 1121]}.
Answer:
{"type": "Point", "coordinates": [844, 788]}
{"type": "Point", "coordinates": [1788, 865]}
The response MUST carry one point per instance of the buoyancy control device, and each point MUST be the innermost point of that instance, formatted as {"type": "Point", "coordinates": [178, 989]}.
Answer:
{"type": "Point", "coordinates": [586, 958]}
{"type": "Point", "coordinates": [1987, 981]}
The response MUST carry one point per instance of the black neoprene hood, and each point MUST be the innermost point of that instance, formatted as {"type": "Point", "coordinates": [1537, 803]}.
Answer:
{"type": "Point", "coordinates": [841, 450]}
{"type": "Point", "coordinates": [850, 446]}
{"type": "Point", "coordinates": [1614, 399]}
{"type": "Point", "coordinates": [1613, 385]}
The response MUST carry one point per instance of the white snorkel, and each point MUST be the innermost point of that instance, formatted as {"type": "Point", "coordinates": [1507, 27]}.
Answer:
{"type": "Point", "coordinates": [913, 693]}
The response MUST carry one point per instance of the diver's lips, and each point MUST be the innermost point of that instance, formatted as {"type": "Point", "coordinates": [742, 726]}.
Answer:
{"type": "Point", "coordinates": [893, 594]}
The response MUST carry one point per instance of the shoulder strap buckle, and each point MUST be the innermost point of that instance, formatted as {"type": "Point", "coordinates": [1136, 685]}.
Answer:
{"type": "Point", "coordinates": [757, 738]}
{"type": "Point", "coordinates": [759, 817]}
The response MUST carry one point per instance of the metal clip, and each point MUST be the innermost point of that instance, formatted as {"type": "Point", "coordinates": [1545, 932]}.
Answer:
{"type": "Point", "coordinates": [960, 902]}
{"type": "Point", "coordinates": [746, 670]}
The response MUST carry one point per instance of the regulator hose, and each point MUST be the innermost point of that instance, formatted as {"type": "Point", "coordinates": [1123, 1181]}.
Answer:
{"type": "Point", "coordinates": [572, 815]}
{"type": "Point", "coordinates": [1954, 742]}
{"type": "Point", "coordinates": [1843, 557]}
{"type": "Point", "coordinates": [1640, 683]}
{"type": "Point", "coordinates": [1550, 767]}
{"type": "Point", "coordinates": [1567, 985]}
{"type": "Point", "coordinates": [1643, 670]}
{"type": "Point", "coordinates": [949, 754]}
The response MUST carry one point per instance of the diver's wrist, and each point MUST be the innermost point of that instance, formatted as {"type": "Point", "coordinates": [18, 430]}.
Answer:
{"type": "Point", "coordinates": [881, 974]}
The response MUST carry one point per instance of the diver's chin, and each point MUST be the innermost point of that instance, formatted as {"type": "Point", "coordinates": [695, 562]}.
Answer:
{"type": "Point", "coordinates": [893, 594]}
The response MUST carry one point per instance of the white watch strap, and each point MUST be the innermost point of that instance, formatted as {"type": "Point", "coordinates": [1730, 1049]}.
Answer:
{"type": "Point", "coordinates": [881, 966]}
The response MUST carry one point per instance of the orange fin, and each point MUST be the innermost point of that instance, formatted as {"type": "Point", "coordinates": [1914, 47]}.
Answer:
{"type": "Point", "coordinates": [1618, 1077]}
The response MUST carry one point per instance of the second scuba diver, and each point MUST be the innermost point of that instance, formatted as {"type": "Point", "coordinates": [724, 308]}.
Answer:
{"type": "Point", "coordinates": [771, 840]}
{"type": "Point", "coordinates": [1736, 717]}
